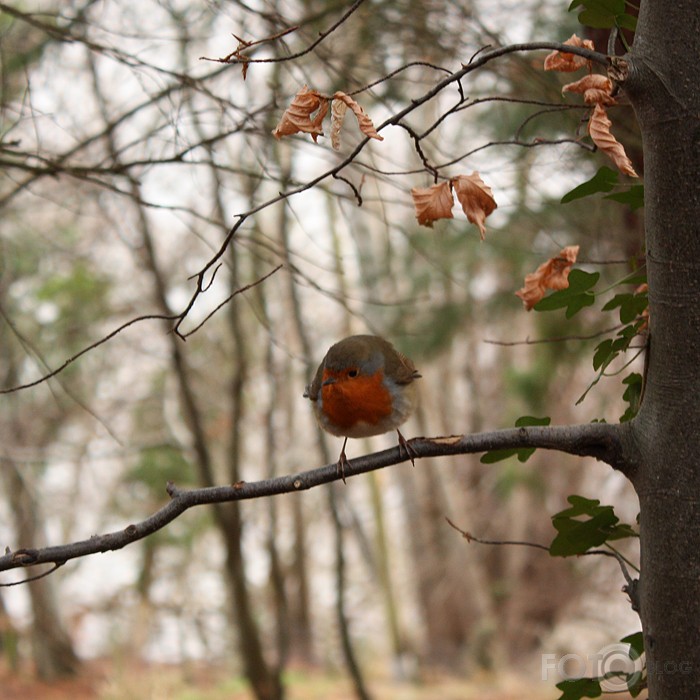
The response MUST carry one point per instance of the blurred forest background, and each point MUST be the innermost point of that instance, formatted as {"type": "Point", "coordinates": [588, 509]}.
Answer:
{"type": "Point", "coordinates": [125, 160]}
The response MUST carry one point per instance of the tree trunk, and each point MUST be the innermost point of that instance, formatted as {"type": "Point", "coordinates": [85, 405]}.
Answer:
{"type": "Point", "coordinates": [52, 649]}
{"type": "Point", "coordinates": [663, 87]}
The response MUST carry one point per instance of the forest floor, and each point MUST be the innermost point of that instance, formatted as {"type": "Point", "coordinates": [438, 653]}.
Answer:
{"type": "Point", "coordinates": [114, 680]}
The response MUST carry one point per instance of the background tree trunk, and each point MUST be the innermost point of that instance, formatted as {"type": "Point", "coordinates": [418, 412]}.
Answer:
{"type": "Point", "coordinates": [52, 648]}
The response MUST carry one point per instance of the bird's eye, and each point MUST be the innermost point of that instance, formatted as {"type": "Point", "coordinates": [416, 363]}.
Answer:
{"type": "Point", "coordinates": [352, 373]}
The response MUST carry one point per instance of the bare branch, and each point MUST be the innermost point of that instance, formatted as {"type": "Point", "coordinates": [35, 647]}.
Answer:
{"type": "Point", "coordinates": [599, 440]}
{"type": "Point", "coordinates": [92, 346]}
{"type": "Point", "coordinates": [236, 57]}
{"type": "Point", "coordinates": [230, 296]}
{"type": "Point", "coordinates": [147, 317]}
{"type": "Point", "coordinates": [394, 120]}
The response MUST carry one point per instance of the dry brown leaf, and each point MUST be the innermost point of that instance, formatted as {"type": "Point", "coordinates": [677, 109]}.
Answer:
{"type": "Point", "coordinates": [338, 109]}
{"type": "Point", "coordinates": [595, 88]}
{"type": "Point", "coordinates": [365, 123]}
{"type": "Point", "coordinates": [433, 203]}
{"type": "Point", "coordinates": [553, 274]}
{"type": "Point", "coordinates": [297, 117]}
{"type": "Point", "coordinates": [598, 97]}
{"type": "Point", "coordinates": [568, 62]}
{"type": "Point", "coordinates": [476, 199]}
{"type": "Point", "coordinates": [599, 129]}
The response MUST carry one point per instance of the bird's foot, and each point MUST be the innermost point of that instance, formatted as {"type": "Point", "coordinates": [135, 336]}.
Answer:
{"type": "Point", "coordinates": [342, 462]}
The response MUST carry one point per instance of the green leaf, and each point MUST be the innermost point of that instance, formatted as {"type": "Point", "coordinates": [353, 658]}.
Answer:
{"type": "Point", "coordinates": [494, 456]}
{"type": "Point", "coordinates": [631, 305]}
{"type": "Point", "coordinates": [579, 302]}
{"type": "Point", "coordinates": [525, 421]}
{"type": "Point", "coordinates": [603, 181]}
{"type": "Point", "coordinates": [622, 531]}
{"type": "Point", "coordinates": [636, 688]}
{"type": "Point", "coordinates": [637, 278]}
{"type": "Point", "coordinates": [626, 21]}
{"type": "Point", "coordinates": [612, 6]}
{"type": "Point", "coordinates": [636, 682]}
{"type": "Point", "coordinates": [601, 14]}
{"type": "Point", "coordinates": [580, 281]}
{"type": "Point", "coordinates": [522, 453]}
{"type": "Point", "coordinates": [576, 536]}
{"type": "Point", "coordinates": [603, 354]}
{"type": "Point", "coordinates": [634, 197]}
{"type": "Point", "coordinates": [636, 642]}
{"type": "Point", "coordinates": [575, 297]}
{"type": "Point", "coordinates": [597, 19]}
{"type": "Point", "coordinates": [579, 688]}
{"type": "Point", "coordinates": [632, 395]}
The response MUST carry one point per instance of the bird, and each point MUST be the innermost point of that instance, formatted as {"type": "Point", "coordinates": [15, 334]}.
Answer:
{"type": "Point", "coordinates": [363, 387]}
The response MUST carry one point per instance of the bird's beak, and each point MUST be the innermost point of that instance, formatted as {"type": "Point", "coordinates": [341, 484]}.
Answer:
{"type": "Point", "coordinates": [330, 380]}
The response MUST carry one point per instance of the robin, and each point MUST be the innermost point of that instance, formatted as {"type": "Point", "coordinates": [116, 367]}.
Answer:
{"type": "Point", "coordinates": [363, 387]}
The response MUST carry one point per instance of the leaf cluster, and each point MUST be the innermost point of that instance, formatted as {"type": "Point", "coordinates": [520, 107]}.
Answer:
{"type": "Point", "coordinates": [585, 525]}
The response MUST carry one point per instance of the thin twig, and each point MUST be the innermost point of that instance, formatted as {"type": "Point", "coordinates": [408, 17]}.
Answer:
{"type": "Point", "coordinates": [92, 346]}
{"type": "Point", "coordinates": [631, 583]}
{"type": "Point", "coordinates": [557, 339]}
{"type": "Point", "coordinates": [471, 538]}
{"type": "Point", "coordinates": [231, 296]}
{"type": "Point", "coordinates": [279, 59]}
{"type": "Point", "coordinates": [29, 579]}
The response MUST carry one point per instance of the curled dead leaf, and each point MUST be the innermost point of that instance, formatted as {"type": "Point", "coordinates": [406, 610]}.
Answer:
{"type": "Point", "coordinates": [553, 274]}
{"type": "Point", "coordinates": [569, 62]}
{"type": "Point", "coordinates": [476, 199]}
{"type": "Point", "coordinates": [599, 129]}
{"type": "Point", "coordinates": [433, 203]}
{"type": "Point", "coordinates": [595, 88]}
{"type": "Point", "coordinates": [365, 123]}
{"type": "Point", "coordinates": [297, 117]}
{"type": "Point", "coordinates": [338, 110]}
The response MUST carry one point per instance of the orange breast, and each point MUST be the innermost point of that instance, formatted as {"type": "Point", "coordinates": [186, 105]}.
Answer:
{"type": "Point", "coordinates": [362, 399]}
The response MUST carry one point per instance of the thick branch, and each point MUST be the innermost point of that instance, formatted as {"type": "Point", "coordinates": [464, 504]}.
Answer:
{"type": "Point", "coordinates": [600, 440]}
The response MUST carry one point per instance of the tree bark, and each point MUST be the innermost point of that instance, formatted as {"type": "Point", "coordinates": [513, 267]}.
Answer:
{"type": "Point", "coordinates": [663, 87]}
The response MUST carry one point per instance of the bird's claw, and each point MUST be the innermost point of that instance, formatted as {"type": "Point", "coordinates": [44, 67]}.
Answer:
{"type": "Point", "coordinates": [342, 462]}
